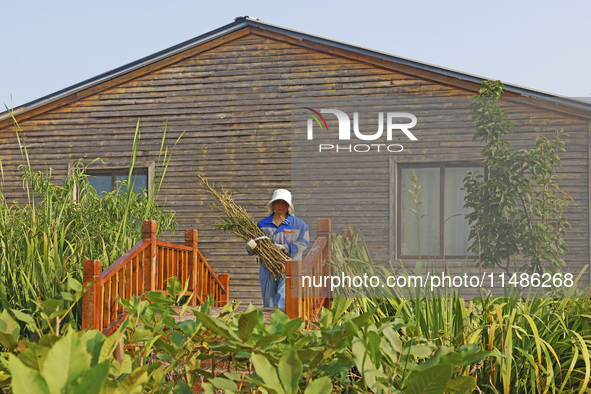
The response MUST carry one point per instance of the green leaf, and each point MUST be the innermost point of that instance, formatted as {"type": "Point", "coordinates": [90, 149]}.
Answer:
{"type": "Point", "coordinates": [208, 388]}
{"type": "Point", "coordinates": [430, 381]}
{"type": "Point", "coordinates": [189, 327]}
{"type": "Point", "coordinates": [140, 335]}
{"type": "Point", "coordinates": [420, 351]}
{"type": "Point", "coordinates": [24, 379]}
{"type": "Point", "coordinates": [247, 322]}
{"type": "Point", "coordinates": [339, 307]}
{"type": "Point", "coordinates": [34, 355]}
{"type": "Point", "coordinates": [108, 347]}
{"type": "Point", "coordinates": [364, 363]}
{"type": "Point", "coordinates": [373, 347]}
{"type": "Point", "coordinates": [135, 382]}
{"type": "Point", "coordinates": [66, 360]}
{"type": "Point", "coordinates": [392, 337]}
{"type": "Point", "coordinates": [224, 384]}
{"type": "Point", "coordinates": [94, 341]}
{"type": "Point", "coordinates": [90, 381]}
{"type": "Point", "coordinates": [291, 326]}
{"type": "Point", "coordinates": [24, 317]}
{"type": "Point", "coordinates": [290, 371]}
{"type": "Point", "coordinates": [9, 330]}
{"type": "Point", "coordinates": [320, 385]}
{"type": "Point", "coordinates": [472, 354]}
{"type": "Point", "coordinates": [50, 305]}
{"type": "Point", "coordinates": [216, 326]}
{"type": "Point", "coordinates": [74, 285]}
{"type": "Point", "coordinates": [159, 298]}
{"type": "Point", "coordinates": [443, 355]}
{"type": "Point", "coordinates": [461, 384]}
{"type": "Point", "coordinates": [67, 296]}
{"type": "Point", "coordinates": [276, 321]}
{"type": "Point", "coordinates": [177, 339]}
{"type": "Point", "coordinates": [266, 371]}
{"type": "Point", "coordinates": [174, 286]}
{"type": "Point", "coordinates": [182, 388]}
{"type": "Point", "coordinates": [269, 339]}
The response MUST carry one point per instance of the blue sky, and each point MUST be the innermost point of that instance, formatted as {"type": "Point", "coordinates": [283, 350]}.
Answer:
{"type": "Point", "coordinates": [542, 45]}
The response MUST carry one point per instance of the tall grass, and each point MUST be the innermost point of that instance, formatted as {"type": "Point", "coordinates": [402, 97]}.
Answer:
{"type": "Point", "coordinates": [545, 342]}
{"type": "Point", "coordinates": [44, 241]}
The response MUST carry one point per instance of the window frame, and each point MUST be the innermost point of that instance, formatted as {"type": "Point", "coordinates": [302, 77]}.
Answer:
{"type": "Point", "coordinates": [147, 167]}
{"type": "Point", "coordinates": [115, 172]}
{"type": "Point", "coordinates": [396, 193]}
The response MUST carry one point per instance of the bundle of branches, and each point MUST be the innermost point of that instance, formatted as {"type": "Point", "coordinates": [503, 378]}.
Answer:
{"type": "Point", "coordinates": [239, 222]}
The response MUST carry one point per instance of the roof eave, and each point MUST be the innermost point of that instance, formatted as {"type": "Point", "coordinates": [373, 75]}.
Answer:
{"type": "Point", "coordinates": [242, 22]}
{"type": "Point", "coordinates": [238, 24]}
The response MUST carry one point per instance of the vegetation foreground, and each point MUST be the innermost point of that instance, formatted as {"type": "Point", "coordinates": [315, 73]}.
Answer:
{"type": "Point", "coordinates": [491, 346]}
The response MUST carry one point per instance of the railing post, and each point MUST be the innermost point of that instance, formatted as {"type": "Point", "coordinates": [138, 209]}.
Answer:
{"type": "Point", "coordinates": [90, 304]}
{"type": "Point", "coordinates": [293, 289]}
{"type": "Point", "coordinates": [225, 280]}
{"type": "Point", "coordinates": [149, 229]}
{"type": "Point", "coordinates": [325, 230]}
{"type": "Point", "coordinates": [191, 241]}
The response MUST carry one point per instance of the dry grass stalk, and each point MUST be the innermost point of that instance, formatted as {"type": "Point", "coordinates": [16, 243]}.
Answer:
{"type": "Point", "coordinates": [240, 223]}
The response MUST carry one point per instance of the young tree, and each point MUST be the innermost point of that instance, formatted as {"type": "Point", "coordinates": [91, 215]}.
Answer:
{"type": "Point", "coordinates": [518, 207]}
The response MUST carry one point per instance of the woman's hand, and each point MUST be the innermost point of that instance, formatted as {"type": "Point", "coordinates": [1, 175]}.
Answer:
{"type": "Point", "coordinates": [250, 246]}
{"type": "Point", "coordinates": [282, 248]}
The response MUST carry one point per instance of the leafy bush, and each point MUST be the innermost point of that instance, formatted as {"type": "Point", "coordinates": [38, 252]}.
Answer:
{"type": "Point", "coordinates": [345, 352]}
{"type": "Point", "coordinates": [519, 208]}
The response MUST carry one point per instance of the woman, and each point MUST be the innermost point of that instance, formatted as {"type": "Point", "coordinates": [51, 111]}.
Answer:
{"type": "Point", "coordinates": [290, 234]}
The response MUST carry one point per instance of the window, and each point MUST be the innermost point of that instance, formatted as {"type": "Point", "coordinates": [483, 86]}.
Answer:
{"type": "Point", "coordinates": [437, 227]}
{"type": "Point", "coordinates": [105, 181]}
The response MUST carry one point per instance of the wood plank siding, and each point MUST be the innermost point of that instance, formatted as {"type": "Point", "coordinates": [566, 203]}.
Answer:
{"type": "Point", "coordinates": [232, 98]}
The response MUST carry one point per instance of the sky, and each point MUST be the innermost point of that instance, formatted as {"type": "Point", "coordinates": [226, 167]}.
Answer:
{"type": "Point", "coordinates": [541, 45]}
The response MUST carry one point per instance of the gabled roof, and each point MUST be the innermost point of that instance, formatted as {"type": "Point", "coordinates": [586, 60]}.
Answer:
{"type": "Point", "coordinates": [245, 22]}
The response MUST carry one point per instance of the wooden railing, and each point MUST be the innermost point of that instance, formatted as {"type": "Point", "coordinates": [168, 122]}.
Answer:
{"type": "Point", "coordinates": [302, 298]}
{"type": "Point", "coordinates": [148, 266]}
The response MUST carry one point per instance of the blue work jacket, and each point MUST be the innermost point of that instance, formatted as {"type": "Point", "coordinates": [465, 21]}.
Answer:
{"type": "Point", "coordinates": [293, 232]}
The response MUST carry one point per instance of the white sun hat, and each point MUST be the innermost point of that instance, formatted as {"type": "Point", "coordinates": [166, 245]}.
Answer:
{"type": "Point", "coordinates": [281, 194]}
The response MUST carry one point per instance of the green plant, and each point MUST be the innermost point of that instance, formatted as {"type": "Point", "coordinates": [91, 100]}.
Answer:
{"type": "Point", "coordinates": [44, 241]}
{"type": "Point", "coordinates": [80, 361]}
{"type": "Point", "coordinates": [346, 352]}
{"type": "Point", "coordinates": [518, 209]}
{"type": "Point", "coordinates": [545, 343]}
{"type": "Point", "coordinates": [73, 363]}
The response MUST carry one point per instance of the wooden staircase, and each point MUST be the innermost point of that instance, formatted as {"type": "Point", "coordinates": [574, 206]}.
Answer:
{"type": "Point", "coordinates": [151, 263]}
{"type": "Point", "coordinates": [147, 267]}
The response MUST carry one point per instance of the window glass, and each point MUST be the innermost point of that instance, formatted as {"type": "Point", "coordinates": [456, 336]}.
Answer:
{"type": "Point", "coordinates": [423, 229]}
{"type": "Point", "coordinates": [105, 182]}
{"type": "Point", "coordinates": [456, 227]}
{"type": "Point", "coordinates": [141, 182]}
{"type": "Point", "coordinates": [100, 183]}
{"type": "Point", "coordinates": [420, 235]}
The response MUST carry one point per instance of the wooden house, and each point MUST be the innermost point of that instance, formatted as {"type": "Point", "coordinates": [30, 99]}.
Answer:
{"type": "Point", "coordinates": [233, 91]}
